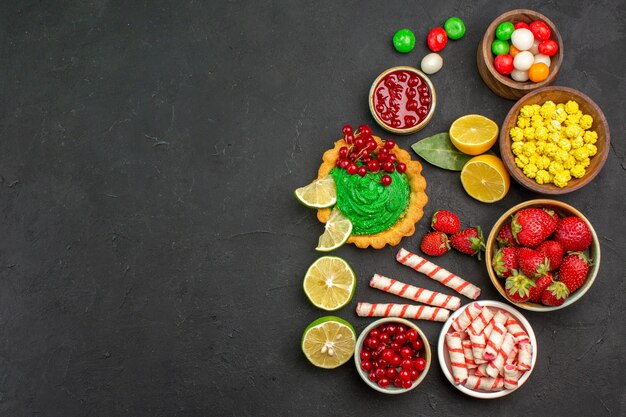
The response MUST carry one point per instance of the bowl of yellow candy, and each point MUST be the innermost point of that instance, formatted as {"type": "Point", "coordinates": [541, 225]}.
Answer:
{"type": "Point", "coordinates": [554, 140]}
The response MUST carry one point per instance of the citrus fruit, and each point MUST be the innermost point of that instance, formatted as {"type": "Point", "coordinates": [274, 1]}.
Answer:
{"type": "Point", "coordinates": [328, 342]}
{"type": "Point", "coordinates": [336, 231]}
{"type": "Point", "coordinates": [473, 134]}
{"type": "Point", "coordinates": [329, 283]}
{"type": "Point", "coordinates": [485, 178]}
{"type": "Point", "coordinates": [318, 194]}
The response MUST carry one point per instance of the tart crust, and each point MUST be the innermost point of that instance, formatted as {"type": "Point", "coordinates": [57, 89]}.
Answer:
{"type": "Point", "coordinates": [405, 226]}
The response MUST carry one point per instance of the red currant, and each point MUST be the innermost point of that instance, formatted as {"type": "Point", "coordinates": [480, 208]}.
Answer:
{"type": "Point", "coordinates": [406, 364]}
{"type": "Point", "coordinates": [374, 333]}
{"type": "Point", "coordinates": [384, 382]}
{"type": "Point", "coordinates": [366, 366]}
{"type": "Point", "coordinates": [372, 376]}
{"type": "Point", "coordinates": [372, 343]}
{"type": "Point", "coordinates": [389, 144]}
{"type": "Point", "coordinates": [352, 168]}
{"type": "Point", "coordinates": [406, 352]}
{"type": "Point", "coordinates": [391, 373]}
{"type": "Point", "coordinates": [359, 143]}
{"type": "Point", "coordinates": [419, 364]}
{"type": "Point", "coordinates": [347, 130]}
{"type": "Point", "coordinates": [373, 166]}
{"type": "Point", "coordinates": [417, 344]}
{"type": "Point", "coordinates": [371, 145]}
{"type": "Point", "coordinates": [344, 163]}
{"type": "Point", "coordinates": [349, 139]}
{"type": "Point", "coordinates": [365, 355]}
{"type": "Point", "coordinates": [388, 355]}
{"type": "Point", "coordinates": [401, 338]}
{"type": "Point", "coordinates": [407, 384]}
{"type": "Point", "coordinates": [404, 375]}
{"type": "Point", "coordinates": [385, 180]}
{"type": "Point", "coordinates": [401, 168]}
{"type": "Point", "coordinates": [411, 334]}
{"type": "Point", "coordinates": [384, 338]}
{"type": "Point", "coordinates": [362, 171]}
{"type": "Point", "coordinates": [396, 360]}
{"type": "Point", "coordinates": [380, 373]}
{"type": "Point", "coordinates": [397, 382]}
{"type": "Point", "coordinates": [381, 363]}
{"type": "Point", "coordinates": [395, 346]}
{"type": "Point", "coordinates": [392, 157]}
{"type": "Point", "coordinates": [390, 329]}
{"type": "Point", "coordinates": [365, 131]}
{"type": "Point", "coordinates": [388, 166]}
{"type": "Point", "coordinates": [382, 157]}
{"type": "Point", "coordinates": [414, 374]}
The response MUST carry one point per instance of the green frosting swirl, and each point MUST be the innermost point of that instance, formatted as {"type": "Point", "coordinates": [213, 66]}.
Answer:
{"type": "Point", "coordinates": [370, 206]}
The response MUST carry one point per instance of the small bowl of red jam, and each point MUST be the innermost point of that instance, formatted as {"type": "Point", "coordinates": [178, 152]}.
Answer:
{"type": "Point", "coordinates": [402, 100]}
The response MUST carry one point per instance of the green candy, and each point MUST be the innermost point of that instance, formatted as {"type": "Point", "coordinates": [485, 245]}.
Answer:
{"type": "Point", "coordinates": [504, 31]}
{"type": "Point", "coordinates": [499, 47]}
{"type": "Point", "coordinates": [404, 41]}
{"type": "Point", "coordinates": [455, 28]}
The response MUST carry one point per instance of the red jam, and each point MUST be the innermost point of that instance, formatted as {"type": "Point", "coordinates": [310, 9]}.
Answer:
{"type": "Point", "coordinates": [402, 99]}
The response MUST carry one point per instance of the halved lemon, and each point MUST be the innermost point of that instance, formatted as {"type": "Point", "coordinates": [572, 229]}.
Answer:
{"type": "Point", "coordinates": [485, 178]}
{"type": "Point", "coordinates": [473, 134]}
{"type": "Point", "coordinates": [329, 283]}
{"type": "Point", "coordinates": [336, 231]}
{"type": "Point", "coordinates": [318, 194]}
{"type": "Point", "coordinates": [329, 342]}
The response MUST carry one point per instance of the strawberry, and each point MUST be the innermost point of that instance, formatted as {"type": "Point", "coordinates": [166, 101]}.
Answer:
{"type": "Point", "coordinates": [541, 284]}
{"type": "Point", "coordinates": [446, 222]}
{"type": "Point", "coordinates": [532, 263]}
{"type": "Point", "coordinates": [469, 241]}
{"type": "Point", "coordinates": [573, 234]}
{"type": "Point", "coordinates": [518, 286]}
{"type": "Point", "coordinates": [505, 236]}
{"type": "Point", "coordinates": [555, 294]}
{"type": "Point", "coordinates": [573, 270]}
{"type": "Point", "coordinates": [531, 226]}
{"type": "Point", "coordinates": [505, 261]}
{"type": "Point", "coordinates": [435, 244]}
{"type": "Point", "coordinates": [552, 250]}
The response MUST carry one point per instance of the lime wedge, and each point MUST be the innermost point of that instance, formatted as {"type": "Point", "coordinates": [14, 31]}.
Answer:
{"type": "Point", "coordinates": [336, 231]}
{"type": "Point", "coordinates": [329, 283]}
{"type": "Point", "coordinates": [318, 194]}
{"type": "Point", "coordinates": [328, 342]}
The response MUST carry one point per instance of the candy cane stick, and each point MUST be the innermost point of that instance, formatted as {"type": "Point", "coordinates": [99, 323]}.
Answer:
{"type": "Point", "coordinates": [499, 317]}
{"type": "Point", "coordinates": [513, 327]}
{"type": "Point", "coordinates": [407, 311]}
{"type": "Point", "coordinates": [494, 341]}
{"type": "Point", "coordinates": [496, 367]}
{"type": "Point", "coordinates": [524, 357]}
{"type": "Point", "coordinates": [478, 347]}
{"type": "Point", "coordinates": [457, 357]}
{"type": "Point", "coordinates": [437, 273]}
{"type": "Point", "coordinates": [480, 322]}
{"type": "Point", "coordinates": [512, 359]}
{"type": "Point", "coordinates": [418, 294]}
{"type": "Point", "coordinates": [511, 376]}
{"type": "Point", "coordinates": [481, 370]}
{"type": "Point", "coordinates": [469, 356]}
{"type": "Point", "coordinates": [484, 384]}
{"type": "Point", "coordinates": [467, 316]}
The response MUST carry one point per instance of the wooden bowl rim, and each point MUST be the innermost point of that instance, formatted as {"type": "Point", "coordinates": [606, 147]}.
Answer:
{"type": "Point", "coordinates": [421, 124]}
{"type": "Point", "coordinates": [594, 252]}
{"type": "Point", "coordinates": [551, 189]}
{"type": "Point", "coordinates": [487, 56]}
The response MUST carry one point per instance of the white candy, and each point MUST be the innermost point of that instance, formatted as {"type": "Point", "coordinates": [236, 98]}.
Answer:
{"type": "Point", "coordinates": [535, 48]}
{"type": "Point", "coordinates": [543, 58]}
{"type": "Point", "coordinates": [522, 39]}
{"type": "Point", "coordinates": [519, 76]}
{"type": "Point", "coordinates": [523, 60]}
{"type": "Point", "coordinates": [431, 63]}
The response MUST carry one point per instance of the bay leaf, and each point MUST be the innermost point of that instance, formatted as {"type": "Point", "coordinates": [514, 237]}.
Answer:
{"type": "Point", "coordinates": [439, 151]}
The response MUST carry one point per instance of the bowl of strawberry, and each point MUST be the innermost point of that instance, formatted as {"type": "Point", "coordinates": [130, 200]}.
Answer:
{"type": "Point", "coordinates": [543, 255]}
{"type": "Point", "coordinates": [392, 355]}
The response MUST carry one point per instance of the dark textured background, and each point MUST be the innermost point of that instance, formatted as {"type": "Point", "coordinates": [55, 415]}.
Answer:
{"type": "Point", "coordinates": [152, 253]}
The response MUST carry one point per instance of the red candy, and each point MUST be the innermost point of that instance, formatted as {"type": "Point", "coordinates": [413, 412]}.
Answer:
{"type": "Point", "coordinates": [504, 64]}
{"type": "Point", "coordinates": [437, 39]}
{"type": "Point", "coordinates": [520, 25]}
{"type": "Point", "coordinates": [548, 47]}
{"type": "Point", "coordinates": [541, 31]}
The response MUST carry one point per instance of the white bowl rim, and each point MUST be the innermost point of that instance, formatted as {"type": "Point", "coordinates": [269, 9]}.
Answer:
{"type": "Point", "coordinates": [363, 374]}
{"type": "Point", "coordinates": [441, 349]}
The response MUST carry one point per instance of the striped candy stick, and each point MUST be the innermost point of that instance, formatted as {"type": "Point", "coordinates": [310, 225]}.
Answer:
{"type": "Point", "coordinates": [478, 347]}
{"type": "Point", "coordinates": [418, 294]}
{"type": "Point", "coordinates": [496, 367]}
{"type": "Point", "coordinates": [512, 359]}
{"type": "Point", "coordinates": [469, 356]}
{"type": "Point", "coordinates": [457, 357]}
{"type": "Point", "coordinates": [511, 376]}
{"type": "Point", "coordinates": [466, 317]}
{"type": "Point", "coordinates": [524, 357]}
{"type": "Point", "coordinates": [478, 325]}
{"type": "Point", "coordinates": [437, 273]}
{"type": "Point", "coordinates": [513, 327]}
{"type": "Point", "coordinates": [475, 383]}
{"type": "Point", "coordinates": [481, 370]}
{"type": "Point", "coordinates": [407, 311]}
{"type": "Point", "coordinates": [494, 341]}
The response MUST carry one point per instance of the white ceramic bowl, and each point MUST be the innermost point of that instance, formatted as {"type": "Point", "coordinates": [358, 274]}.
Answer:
{"type": "Point", "coordinates": [444, 358]}
{"type": "Point", "coordinates": [391, 389]}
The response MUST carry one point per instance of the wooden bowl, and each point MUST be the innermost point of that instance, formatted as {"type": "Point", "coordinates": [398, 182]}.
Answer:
{"type": "Point", "coordinates": [563, 210]}
{"type": "Point", "coordinates": [557, 95]}
{"type": "Point", "coordinates": [504, 85]}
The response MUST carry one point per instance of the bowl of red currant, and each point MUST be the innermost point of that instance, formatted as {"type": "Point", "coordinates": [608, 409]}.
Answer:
{"type": "Point", "coordinates": [392, 355]}
{"type": "Point", "coordinates": [402, 100]}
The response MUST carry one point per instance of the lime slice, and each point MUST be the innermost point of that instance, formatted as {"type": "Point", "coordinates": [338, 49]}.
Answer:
{"type": "Point", "coordinates": [318, 194]}
{"type": "Point", "coordinates": [336, 231]}
{"type": "Point", "coordinates": [328, 342]}
{"type": "Point", "coordinates": [329, 283]}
